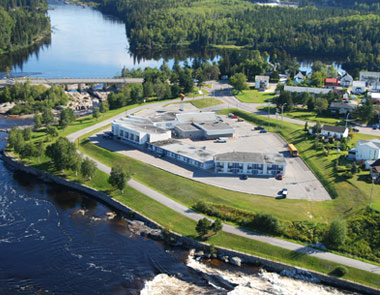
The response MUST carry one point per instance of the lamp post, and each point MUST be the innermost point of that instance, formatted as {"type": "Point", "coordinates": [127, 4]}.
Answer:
{"type": "Point", "coordinates": [348, 114]}
{"type": "Point", "coordinates": [370, 199]}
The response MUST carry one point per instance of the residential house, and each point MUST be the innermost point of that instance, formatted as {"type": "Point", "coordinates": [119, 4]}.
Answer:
{"type": "Point", "coordinates": [375, 171]}
{"type": "Point", "coordinates": [331, 83]}
{"type": "Point", "coordinates": [335, 131]}
{"type": "Point", "coordinates": [261, 82]}
{"type": "Point", "coordinates": [369, 77]}
{"type": "Point", "coordinates": [342, 108]}
{"type": "Point", "coordinates": [300, 77]}
{"type": "Point", "coordinates": [358, 87]}
{"type": "Point", "coordinates": [367, 150]}
{"type": "Point", "coordinates": [346, 80]}
{"type": "Point", "coordinates": [311, 90]}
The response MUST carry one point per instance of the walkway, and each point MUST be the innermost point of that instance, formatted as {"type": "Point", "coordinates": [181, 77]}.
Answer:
{"type": "Point", "coordinates": [179, 208]}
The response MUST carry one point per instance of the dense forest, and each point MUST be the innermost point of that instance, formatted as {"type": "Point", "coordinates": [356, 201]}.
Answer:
{"type": "Point", "coordinates": [22, 23]}
{"type": "Point", "coordinates": [352, 35]}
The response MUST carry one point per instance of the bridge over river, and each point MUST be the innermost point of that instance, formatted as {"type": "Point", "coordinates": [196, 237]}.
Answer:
{"type": "Point", "coordinates": [118, 82]}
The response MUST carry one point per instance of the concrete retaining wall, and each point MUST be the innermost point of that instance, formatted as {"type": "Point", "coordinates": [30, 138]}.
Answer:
{"type": "Point", "coordinates": [188, 242]}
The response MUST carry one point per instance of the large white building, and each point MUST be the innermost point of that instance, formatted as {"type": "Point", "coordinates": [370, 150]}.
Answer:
{"type": "Point", "coordinates": [261, 82]}
{"type": "Point", "coordinates": [138, 133]}
{"type": "Point", "coordinates": [250, 164]}
{"type": "Point", "coordinates": [335, 131]}
{"type": "Point", "coordinates": [358, 87]}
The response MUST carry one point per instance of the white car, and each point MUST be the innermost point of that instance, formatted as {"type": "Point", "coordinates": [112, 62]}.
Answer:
{"type": "Point", "coordinates": [284, 192]}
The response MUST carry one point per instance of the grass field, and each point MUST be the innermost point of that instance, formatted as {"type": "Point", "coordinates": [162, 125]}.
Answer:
{"type": "Point", "coordinates": [205, 102]}
{"type": "Point", "coordinates": [254, 96]}
{"type": "Point", "coordinates": [305, 115]}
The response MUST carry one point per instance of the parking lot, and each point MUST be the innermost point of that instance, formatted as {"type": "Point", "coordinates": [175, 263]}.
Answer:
{"type": "Point", "coordinates": [298, 179]}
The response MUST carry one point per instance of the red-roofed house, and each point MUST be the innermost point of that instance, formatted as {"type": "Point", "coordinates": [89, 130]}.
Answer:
{"type": "Point", "coordinates": [331, 82]}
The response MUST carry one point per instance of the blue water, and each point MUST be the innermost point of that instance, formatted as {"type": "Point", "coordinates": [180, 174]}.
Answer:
{"type": "Point", "coordinates": [84, 43]}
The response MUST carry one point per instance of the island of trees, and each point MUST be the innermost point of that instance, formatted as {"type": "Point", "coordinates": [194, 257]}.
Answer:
{"type": "Point", "coordinates": [23, 22]}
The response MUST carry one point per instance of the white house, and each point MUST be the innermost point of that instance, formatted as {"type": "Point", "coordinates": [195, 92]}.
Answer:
{"type": "Point", "coordinates": [250, 164]}
{"type": "Point", "coordinates": [299, 78]}
{"type": "Point", "coordinates": [367, 150]}
{"type": "Point", "coordinates": [311, 90]}
{"type": "Point", "coordinates": [369, 77]}
{"type": "Point", "coordinates": [358, 87]}
{"type": "Point", "coordinates": [335, 131]}
{"type": "Point", "coordinates": [342, 108]}
{"type": "Point", "coordinates": [346, 80]}
{"type": "Point", "coordinates": [261, 82]}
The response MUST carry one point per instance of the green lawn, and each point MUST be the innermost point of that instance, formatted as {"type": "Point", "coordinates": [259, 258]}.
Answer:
{"type": "Point", "coordinates": [205, 102]}
{"type": "Point", "coordinates": [305, 115]}
{"type": "Point", "coordinates": [255, 96]}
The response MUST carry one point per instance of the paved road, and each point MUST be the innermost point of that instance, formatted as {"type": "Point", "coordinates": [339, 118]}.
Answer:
{"type": "Point", "coordinates": [227, 228]}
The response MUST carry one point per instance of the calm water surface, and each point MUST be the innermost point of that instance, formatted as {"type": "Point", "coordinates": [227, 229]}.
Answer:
{"type": "Point", "coordinates": [84, 43]}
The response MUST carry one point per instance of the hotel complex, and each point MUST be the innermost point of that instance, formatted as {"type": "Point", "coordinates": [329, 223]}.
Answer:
{"type": "Point", "coordinates": [161, 134]}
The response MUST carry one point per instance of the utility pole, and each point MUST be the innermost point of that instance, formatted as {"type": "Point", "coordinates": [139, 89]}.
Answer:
{"type": "Point", "coordinates": [282, 114]}
{"type": "Point", "coordinates": [348, 113]}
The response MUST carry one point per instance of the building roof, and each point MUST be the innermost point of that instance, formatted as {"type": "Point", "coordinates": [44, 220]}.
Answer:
{"type": "Point", "coordinates": [343, 105]}
{"type": "Point", "coordinates": [336, 129]}
{"type": "Point", "coordinates": [186, 127]}
{"type": "Point", "coordinates": [215, 128]}
{"type": "Point", "coordinates": [358, 84]}
{"type": "Point", "coordinates": [260, 158]}
{"type": "Point", "coordinates": [163, 117]}
{"type": "Point", "coordinates": [144, 128]}
{"type": "Point", "coordinates": [370, 74]}
{"type": "Point", "coordinates": [185, 149]}
{"type": "Point", "coordinates": [375, 95]}
{"type": "Point", "coordinates": [196, 117]}
{"type": "Point", "coordinates": [261, 78]}
{"type": "Point", "coordinates": [376, 164]}
{"type": "Point", "coordinates": [373, 143]}
{"type": "Point", "coordinates": [313, 90]}
{"type": "Point", "coordinates": [331, 80]}
{"type": "Point", "coordinates": [347, 77]}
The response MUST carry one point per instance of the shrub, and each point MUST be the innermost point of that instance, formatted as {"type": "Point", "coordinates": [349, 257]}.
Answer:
{"type": "Point", "coordinates": [339, 271]}
{"type": "Point", "coordinates": [336, 234]}
{"type": "Point", "coordinates": [267, 222]}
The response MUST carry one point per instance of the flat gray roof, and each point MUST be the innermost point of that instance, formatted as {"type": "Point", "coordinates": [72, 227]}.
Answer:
{"type": "Point", "coordinates": [187, 127]}
{"type": "Point", "coordinates": [251, 157]}
{"type": "Point", "coordinates": [148, 128]}
{"type": "Point", "coordinates": [167, 116]}
{"type": "Point", "coordinates": [186, 150]}
{"type": "Point", "coordinates": [218, 125]}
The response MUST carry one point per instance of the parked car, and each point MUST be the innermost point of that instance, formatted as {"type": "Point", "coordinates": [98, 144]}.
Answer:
{"type": "Point", "coordinates": [240, 120]}
{"type": "Point", "coordinates": [221, 139]}
{"type": "Point", "coordinates": [234, 117]}
{"type": "Point", "coordinates": [244, 177]}
{"type": "Point", "coordinates": [259, 128]}
{"type": "Point", "coordinates": [284, 192]}
{"type": "Point", "coordinates": [374, 126]}
{"type": "Point", "coordinates": [108, 135]}
{"type": "Point", "coordinates": [263, 131]}
{"type": "Point", "coordinates": [355, 129]}
{"type": "Point", "coordinates": [279, 176]}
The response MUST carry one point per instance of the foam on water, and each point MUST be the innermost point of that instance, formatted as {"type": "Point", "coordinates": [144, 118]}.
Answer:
{"type": "Point", "coordinates": [262, 283]}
